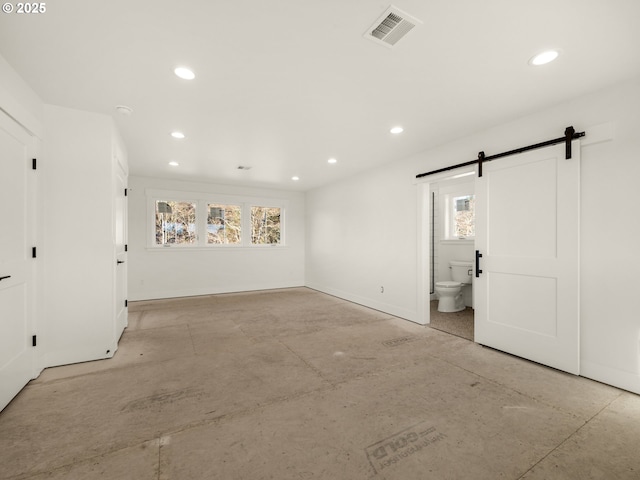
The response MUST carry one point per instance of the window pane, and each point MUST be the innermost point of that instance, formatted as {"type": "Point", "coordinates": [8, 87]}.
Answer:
{"type": "Point", "coordinates": [265, 225]}
{"type": "Point", "coordinates": [224, 224]}
{"type": "Point", "coordinates": [175, 223]}
{"type": "Point", "coordinates": [464, 215]}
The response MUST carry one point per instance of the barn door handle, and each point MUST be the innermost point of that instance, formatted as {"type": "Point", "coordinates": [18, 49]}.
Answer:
{"type": "Point", "coordinates": [2, 278]}
{"type": "Point", "coordinates": [478, 257]}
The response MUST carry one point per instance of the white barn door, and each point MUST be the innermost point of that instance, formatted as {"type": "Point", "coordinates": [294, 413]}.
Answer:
{"type": "Point", "coordinates": [527, 231]}
{"type": "Point", "coordinates": [16, 262]}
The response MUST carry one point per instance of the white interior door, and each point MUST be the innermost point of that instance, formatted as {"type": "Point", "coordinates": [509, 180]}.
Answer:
{"type": "Point", "coordinates": [120, 233]}
{"type": "Point", "coordinates": [16, 263]}
{"type": "Point", "coordinates": [527, 231]}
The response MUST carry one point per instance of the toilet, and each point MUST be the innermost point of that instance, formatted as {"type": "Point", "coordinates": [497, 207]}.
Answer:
{"type": "Point", "coordinates": [450, 292]}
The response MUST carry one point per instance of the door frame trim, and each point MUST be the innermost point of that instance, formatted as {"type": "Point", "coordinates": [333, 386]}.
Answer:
{"type": "Point", "coordinates": [423, 198]}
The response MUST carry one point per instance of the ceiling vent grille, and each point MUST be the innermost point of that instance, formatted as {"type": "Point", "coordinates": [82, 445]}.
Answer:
{"type": "Point", "coordinates": [392, 25]}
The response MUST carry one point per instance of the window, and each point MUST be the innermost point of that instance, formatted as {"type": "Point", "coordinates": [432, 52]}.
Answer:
{"type": "Point", "coordinates": [175, 223]}
{"type": "Point", "coordinates": [205, 220]}
{"type": "Point", "coordinates": [464, 216]}
{"type": "Point", "coordinates": [265, 225]}
{"type": "Point", "coordinates": [458, 205]}
{"type": "Point", "coordinates": [224, 224]}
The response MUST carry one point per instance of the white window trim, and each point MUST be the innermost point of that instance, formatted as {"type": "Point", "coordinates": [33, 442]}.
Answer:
{"type": "Point", "coordinates": [201, 200]}
{"type": "Point", "coordinates": [458, 241]}
{"type": "Point", "coordinates": [282, 224]}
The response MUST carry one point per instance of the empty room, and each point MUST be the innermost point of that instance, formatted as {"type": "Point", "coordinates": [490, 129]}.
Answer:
{"type": "Point", "coordinates": [319, 240]}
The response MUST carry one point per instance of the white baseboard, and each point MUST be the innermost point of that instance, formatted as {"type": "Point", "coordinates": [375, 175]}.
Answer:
{"type": "Point", "coordinates": [84, 354]}
{"type": "Point", "coordinates": [194, 292]}
{"type": "Point", "coordinates": [394, 310]}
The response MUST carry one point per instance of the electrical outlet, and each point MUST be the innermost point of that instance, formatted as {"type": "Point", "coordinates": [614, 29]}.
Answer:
{"type": "Point", "coordinates": [381, 289]}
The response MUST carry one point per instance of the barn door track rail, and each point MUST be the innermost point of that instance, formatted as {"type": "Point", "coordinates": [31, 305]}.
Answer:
{"type": "Point", "coordinates": [570, 134]}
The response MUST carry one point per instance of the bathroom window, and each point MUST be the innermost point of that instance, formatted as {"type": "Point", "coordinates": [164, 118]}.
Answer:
{"type": "Point", "coordinates": [458, 205]}
{"type": "Point", "coordinates": [463, 216]}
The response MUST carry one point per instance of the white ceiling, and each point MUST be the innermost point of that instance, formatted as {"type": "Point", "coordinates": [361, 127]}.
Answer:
{"type": "Point", "coordinates": [283, 85]}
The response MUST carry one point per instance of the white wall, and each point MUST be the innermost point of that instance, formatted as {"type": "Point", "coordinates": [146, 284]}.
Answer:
{"type": "Point", "coordinates": [18, 100]}
{"type": "Point", "coordinates": [175, 272]}
{"type": "Point", "coordinates": [361, 238]}
{"type": "Point", "coordinates": [361, 232]}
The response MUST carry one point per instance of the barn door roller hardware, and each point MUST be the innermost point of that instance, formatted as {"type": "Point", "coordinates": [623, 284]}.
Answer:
{"type": "Point", "coordinates": [570, 134]}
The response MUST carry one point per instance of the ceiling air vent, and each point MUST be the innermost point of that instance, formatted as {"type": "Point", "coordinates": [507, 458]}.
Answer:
{"type": "Point", "coordinates": [392, 25]}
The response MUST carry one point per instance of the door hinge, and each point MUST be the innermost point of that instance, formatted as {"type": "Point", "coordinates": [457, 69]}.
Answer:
{"type": "Point", "coordinates": [126, 248]}
{"type": "Point", "coordinates": [126, 303]}
{"type": "Point", "coordinates": [33, 164]}
{"type": "Point", "coordinates": [33, 252]}
{"type": "Point", "coordinates": [33, 341]}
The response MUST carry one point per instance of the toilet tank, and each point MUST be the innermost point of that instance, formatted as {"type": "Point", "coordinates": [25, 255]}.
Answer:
{"type": "Point", "coordinates": [461, 271]}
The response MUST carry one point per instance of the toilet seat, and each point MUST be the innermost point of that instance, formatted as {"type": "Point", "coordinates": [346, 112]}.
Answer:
{"type": "Point", "coordinates": [448, 284]}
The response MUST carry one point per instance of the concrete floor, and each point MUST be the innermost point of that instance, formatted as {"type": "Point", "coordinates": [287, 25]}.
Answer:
{"type": "Point", "coordinates": [295, 384]}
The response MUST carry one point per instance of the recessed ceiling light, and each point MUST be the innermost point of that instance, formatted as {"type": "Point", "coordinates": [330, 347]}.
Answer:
{"type": "Point", "coordinates": [185, 73]}
{"type": "Point", "coordinates": [332, 160]}
{"type": "Point", "coordinates": [397, 130]}
{"type": "Point", "coordinates": [544, 57]}
{"type": "Point", "coordinates": [177, 135]}
{"type": "Point", "coordinates": [124, 110]}
{"type": "Point", "coordinates": [295, 179]}
{"type": "Point", "coordinates": [174, 164]}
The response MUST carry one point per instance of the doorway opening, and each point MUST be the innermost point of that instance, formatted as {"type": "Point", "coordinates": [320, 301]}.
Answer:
{"type": "Point", "coordinates": [459, 323]}
{"type": "Point", "coordinates": [447, 239]}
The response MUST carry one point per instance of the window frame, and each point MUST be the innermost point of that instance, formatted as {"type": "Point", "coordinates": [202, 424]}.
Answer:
{"type": "Point", "coordinates": [242, 226]}
{"type": "Point", "coordinates": [263, 245]}
{"type": "Point", "coordinates": [202, 200]}
{"type": "Point", "coordinates": [447, 192]}
{"type": "Point", "coordinates": [153, 225]}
